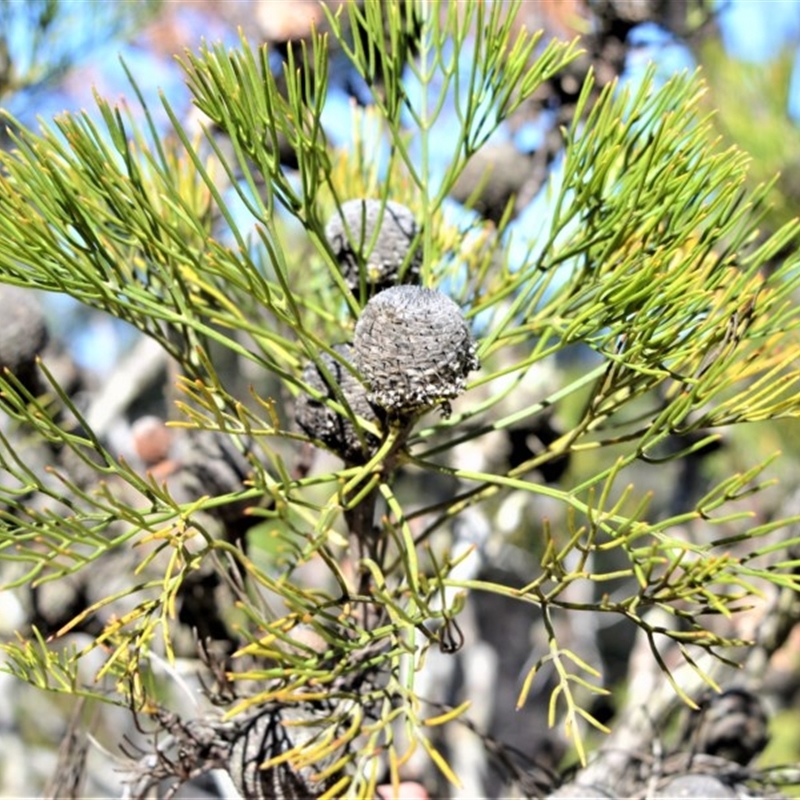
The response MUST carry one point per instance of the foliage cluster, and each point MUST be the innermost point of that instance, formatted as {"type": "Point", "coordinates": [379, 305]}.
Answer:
{"type": "Point", "coordinates": [650, 264]}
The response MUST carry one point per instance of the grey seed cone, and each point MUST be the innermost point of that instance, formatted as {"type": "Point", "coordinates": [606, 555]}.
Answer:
{"type": "Point", "coordinates": [414, 349]}
{"type": "Point", "coordinates": [350, 233]}
{"type": "Point", "coordinates": [210, 464]}
{"type": "Point", "coordinates": [264, 737]}
{"type": "Point", "coordinates": [732, 725]}
{"type": "Point", "coordinates": [23, 332]}
{"type": "Point", "coordinates": [321, 422]}
{"type": "Point", "coordinates": [499, 171]}
{"type": "Point", "coordinates": [697, 786]}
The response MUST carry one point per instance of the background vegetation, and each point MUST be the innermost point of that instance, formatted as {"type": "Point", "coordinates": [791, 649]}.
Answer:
{"type": "Point", "coordinates": [567, 565]}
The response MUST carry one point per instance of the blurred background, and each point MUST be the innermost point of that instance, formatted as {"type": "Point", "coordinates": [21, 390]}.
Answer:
{"type": "Point", "coordinates": [56, 54]}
